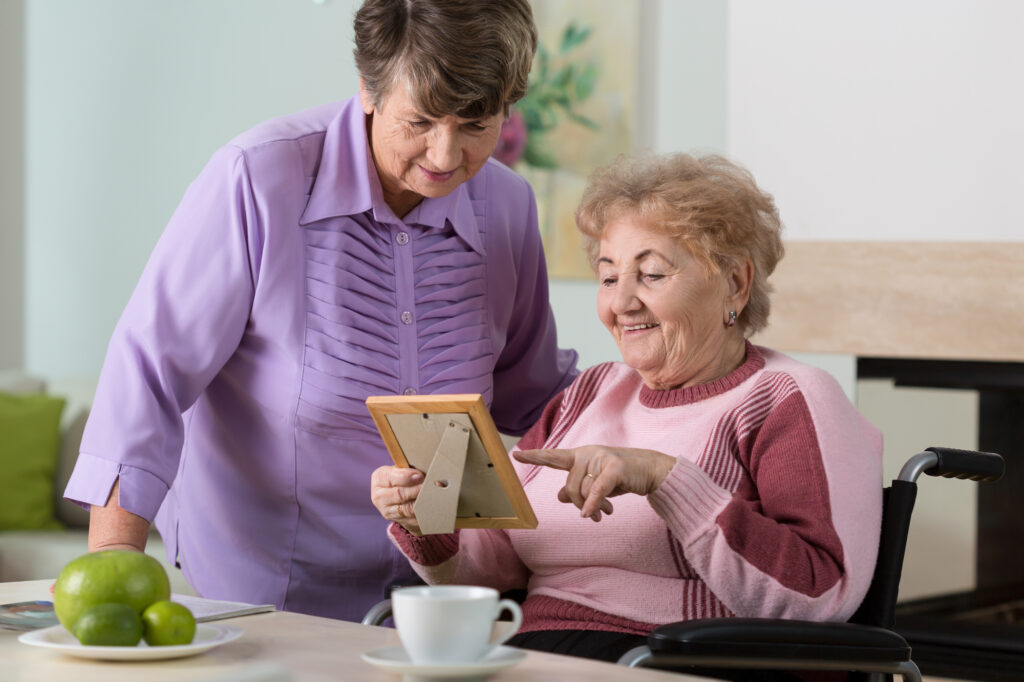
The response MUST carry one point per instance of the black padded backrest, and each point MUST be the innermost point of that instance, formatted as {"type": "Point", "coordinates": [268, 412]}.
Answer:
{"type": "Point", "coordinates": [879, 605]}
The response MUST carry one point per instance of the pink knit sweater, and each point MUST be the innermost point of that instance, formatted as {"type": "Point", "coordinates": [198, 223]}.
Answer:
{"type": "Point", "coordinates": [772, 510]}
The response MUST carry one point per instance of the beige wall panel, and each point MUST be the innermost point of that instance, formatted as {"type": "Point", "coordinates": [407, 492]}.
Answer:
{"type": "Point", "coordinates": [959, 301]}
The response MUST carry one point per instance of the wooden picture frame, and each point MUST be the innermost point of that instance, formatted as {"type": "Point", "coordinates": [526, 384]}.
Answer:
{"type": "Point", "coordinates": [469, 480]}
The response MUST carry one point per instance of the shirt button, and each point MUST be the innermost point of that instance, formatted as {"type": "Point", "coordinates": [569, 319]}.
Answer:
{"type": "Point", "coordinates": [402, 238]}
{"type": "Point", "coordinates": [407, 317]}
{"type": "Point", "coordinates": [410, 391]}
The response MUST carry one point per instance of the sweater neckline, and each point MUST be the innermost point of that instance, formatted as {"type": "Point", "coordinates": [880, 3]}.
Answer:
{"type": "Point", "coordinates": [673, 397]}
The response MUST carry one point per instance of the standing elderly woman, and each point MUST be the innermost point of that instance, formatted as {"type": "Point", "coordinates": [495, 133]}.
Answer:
{"type": "Point", "coordinates": [360, 248]}
{"type": "Point", "coordinates": [748, 483]}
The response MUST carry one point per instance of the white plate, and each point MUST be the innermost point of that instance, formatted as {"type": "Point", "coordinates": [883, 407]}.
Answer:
{"type": "Point", "coordinates": [59, 639]}
{"type": "Point", "coordinates": [394, 659]}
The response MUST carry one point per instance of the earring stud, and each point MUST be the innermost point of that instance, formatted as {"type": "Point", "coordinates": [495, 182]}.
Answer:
{"type": "Point", "coordinates": [732, 318]}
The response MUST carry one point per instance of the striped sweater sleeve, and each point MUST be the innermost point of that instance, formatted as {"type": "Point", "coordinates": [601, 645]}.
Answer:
{"type": "Point", "coordinates": [773, 547]}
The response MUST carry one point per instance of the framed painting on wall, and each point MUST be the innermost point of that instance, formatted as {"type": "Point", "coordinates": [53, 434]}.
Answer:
{"type": "Point", "coordinates": [583, 108]}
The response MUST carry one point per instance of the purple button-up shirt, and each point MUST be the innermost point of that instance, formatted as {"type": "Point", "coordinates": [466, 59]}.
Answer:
{"type": "Point", "coordinates": [283, 293]}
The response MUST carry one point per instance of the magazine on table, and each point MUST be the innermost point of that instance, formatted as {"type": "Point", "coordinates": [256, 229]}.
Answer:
{"type": "Point", "coordinates": [27, 615]}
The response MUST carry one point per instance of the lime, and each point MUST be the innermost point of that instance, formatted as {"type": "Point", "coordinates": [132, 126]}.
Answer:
{"type": "Point", "coordinates": [168, 623]}
{"type": "Point", "coordinates": [109, 625]}
{"type": "Point", "coordinates": [118, 576]}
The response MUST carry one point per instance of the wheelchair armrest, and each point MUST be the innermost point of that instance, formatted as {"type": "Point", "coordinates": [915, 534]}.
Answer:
{"type": "Point", "coordinates": [378, 613]}
{"type": "Point", "coordinates": [739, 638]}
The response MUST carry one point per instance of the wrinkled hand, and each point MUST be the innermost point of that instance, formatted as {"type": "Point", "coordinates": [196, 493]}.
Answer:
{"type": "Point", "coordinates": [393, 491]}
{"type": "Point", "coordinates": [597, 472]}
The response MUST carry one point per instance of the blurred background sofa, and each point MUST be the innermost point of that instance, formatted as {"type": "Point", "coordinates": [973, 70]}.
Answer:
{"type": "Point", "coordinates": [40, 431]}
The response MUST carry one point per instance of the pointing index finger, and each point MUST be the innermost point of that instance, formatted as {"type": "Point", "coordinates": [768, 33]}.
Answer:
{"type": "Point", "coordinates": [556, 459]}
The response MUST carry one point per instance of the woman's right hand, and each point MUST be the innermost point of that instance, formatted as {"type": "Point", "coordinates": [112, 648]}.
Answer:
{"type": "Point", "coordinates": [393, 491]}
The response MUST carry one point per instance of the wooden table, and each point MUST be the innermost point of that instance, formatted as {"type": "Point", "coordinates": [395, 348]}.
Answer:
{"type": "Point", "coordinates": [276, 646]}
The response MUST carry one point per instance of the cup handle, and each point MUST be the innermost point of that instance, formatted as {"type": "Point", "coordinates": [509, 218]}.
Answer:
{"type": "Point", "coordinates": [517, 621]}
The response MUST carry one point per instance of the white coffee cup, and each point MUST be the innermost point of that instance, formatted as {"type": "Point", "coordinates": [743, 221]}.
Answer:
{"type": "Point", "coordinates": [446, 624]}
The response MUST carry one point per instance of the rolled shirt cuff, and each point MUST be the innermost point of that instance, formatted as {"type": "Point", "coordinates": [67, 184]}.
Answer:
{"type": "Point", "coordinates": [140, 492]}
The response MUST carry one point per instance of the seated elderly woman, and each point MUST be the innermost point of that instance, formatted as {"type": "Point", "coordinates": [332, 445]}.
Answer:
{"type": "Point", "coordinates": [746, 484]}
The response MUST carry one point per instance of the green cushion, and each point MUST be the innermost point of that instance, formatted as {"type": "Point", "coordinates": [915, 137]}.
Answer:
{"type": "Point", "coordinates": [29, 443]}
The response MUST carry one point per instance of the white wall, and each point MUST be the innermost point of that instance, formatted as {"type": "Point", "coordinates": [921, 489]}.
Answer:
{"type": "Point", "coordinates": [12, 168]}
{"type": "Point", "coordinates": [126, 100]}
{"type": "Point", "coordinates": [691, 91]}
{"type": "Point", "coordinates": [882, 120]}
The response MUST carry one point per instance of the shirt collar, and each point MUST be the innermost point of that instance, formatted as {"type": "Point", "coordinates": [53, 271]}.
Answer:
{"type": "Point", "coordinates": [346, 183]}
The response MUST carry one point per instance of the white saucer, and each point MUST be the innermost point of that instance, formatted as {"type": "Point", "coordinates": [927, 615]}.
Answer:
{"type": "Point", "coordinates": [59, 639]}
{"type": "Point", "coordinates": [394, 659]}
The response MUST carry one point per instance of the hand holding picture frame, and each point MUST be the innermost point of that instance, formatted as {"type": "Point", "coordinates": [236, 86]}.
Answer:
{"type": "Point", "coordinates": [469, 481]}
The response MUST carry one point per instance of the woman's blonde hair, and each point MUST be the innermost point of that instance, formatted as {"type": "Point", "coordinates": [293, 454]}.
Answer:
{"type": "Point", "coordinates": [468, 58]}
{"type": "Point", "coordinates": [710, 204]}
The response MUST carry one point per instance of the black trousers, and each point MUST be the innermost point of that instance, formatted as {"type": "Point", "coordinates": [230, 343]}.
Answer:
{"type": "Point", "coordinates": [603, 646]}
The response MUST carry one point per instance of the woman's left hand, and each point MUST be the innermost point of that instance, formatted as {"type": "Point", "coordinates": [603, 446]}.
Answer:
{"type": "Point", "coordinates": [597, 472]}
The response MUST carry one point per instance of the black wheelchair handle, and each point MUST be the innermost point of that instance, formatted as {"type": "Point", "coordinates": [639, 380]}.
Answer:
{"type": "Point", "coordinates": [969, 464]}
{"type": "Point", "coordinates": [953, 463]}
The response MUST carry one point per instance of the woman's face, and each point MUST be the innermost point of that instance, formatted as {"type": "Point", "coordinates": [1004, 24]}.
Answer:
{"type": "Point", "coordinates": [419, 156]}
{"type": "Point", "coordinates": [666, 315]}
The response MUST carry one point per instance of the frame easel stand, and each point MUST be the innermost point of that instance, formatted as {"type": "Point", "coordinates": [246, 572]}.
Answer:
{"type": "Point", "coordinates": [438, 501]}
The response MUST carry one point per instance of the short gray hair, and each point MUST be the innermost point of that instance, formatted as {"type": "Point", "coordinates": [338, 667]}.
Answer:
{"type": "Point", "coordinates": [468, 58]}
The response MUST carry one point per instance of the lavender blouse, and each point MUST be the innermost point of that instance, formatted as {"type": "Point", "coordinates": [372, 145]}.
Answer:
{"type": "Point", "coordinates": [284, 292]}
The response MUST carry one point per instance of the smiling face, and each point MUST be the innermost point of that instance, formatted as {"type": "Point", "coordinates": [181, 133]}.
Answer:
{"type": "Point", "coordinates": [668, 317]}
{"type": "Point", "coordinates": [420, 156]}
